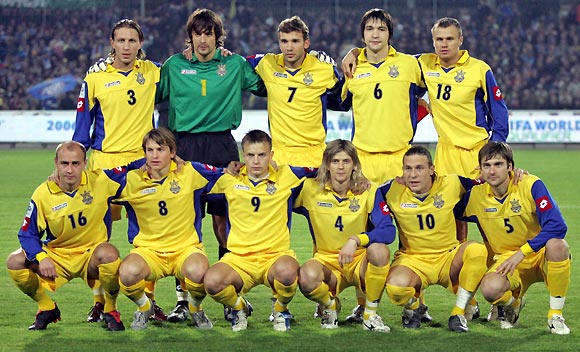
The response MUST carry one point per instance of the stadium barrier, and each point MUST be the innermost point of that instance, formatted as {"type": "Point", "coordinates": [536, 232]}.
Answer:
{"type": "Point", "coordinates": [526, 126]}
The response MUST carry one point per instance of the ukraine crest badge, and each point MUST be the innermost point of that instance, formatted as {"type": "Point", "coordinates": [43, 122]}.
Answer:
{"type": "Point", "coordinates": [354, 205]}
{"type": "Point", "coordinates": [221, 70]}
{"type": "Point", "coordinates": [460, 76]}
{"type": "Point", "coordinates": [308, 80]}
{"type": "Point", "coordinates": [438, 201]}
{"type": "Point", "coordinates": [394, 71]}
{"type": "Point", "coordinates": [270, 188]}
{"type": "Point", "coordinates": [140, 78]}
{"type": "Point", "coordinates": [174, 187]}
{"type": "Point", "coordinates": [516, 207]}
{"type": "Point", "coordinates": [87, 197]}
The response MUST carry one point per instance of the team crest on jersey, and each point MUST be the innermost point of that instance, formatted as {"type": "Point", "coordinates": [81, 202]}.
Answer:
{"type": "Point", "coordinates": [516, 207]}
{"type": "Point", "coordinates": [438, 201]}
{"type": "Point", "coordinates": [354, 205]}
{"type": "Point", "coordinates": [460, 76]}
{"type": "Point", "coordinates": [221, 70]}
{"type": "Point", "coordinates": [270, 188]}
{"type": "Point", "coordinates": [174, 187]}
{"type": "Point", "coordinates": [87, 198]}
{"type": "Point", "coordinates": [308, 80]}
{"type": "Point", "coordinates": [140, 78]}
{"type": "Point", "coordinates": [394, 71]}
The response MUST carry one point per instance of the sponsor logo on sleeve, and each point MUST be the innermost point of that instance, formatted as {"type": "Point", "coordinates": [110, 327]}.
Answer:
{"type": "Point", "coordinates": [497, 93]}
{"type": "Point", "coordinates": [119, 169]}
{"type": "Point", "coordinates": [385, 208]}
{"type": "Point", "coordinates": [27, 217]}
{"type": "Point", "coordinates": [544, 203]}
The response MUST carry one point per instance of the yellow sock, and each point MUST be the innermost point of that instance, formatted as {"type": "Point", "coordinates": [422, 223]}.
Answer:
{"type": "Point", "coordinates": [474, 266]}
{"type": "Point", "coordinates": [284, 294]}
{"type": "Point", "coordinates": [109, 277]}
{"type": "Point", "coordinates": [229, 297]}
{"type": "Point", "coordinates": [136, 293]}
{"type": "Point", "coordinates": [197, 293]}
{"type": "Point", "coordinates": [558, 278]}
{"type": "Point", "coordinates": [320, 295]}
{"type": "Point", "coordinates": [150, 289]}
{"type": "Point", "coordinates": [375, 279]}
{"type": "Point", "coordinates": [403, 296]}
{"type": "Point", "coordinates": [504, 300]}
{"type": "Point", "coordinates": [29, 283]}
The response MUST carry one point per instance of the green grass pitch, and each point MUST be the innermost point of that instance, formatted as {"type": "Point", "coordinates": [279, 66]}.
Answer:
{"type": "Point", "coordinates": [23, 170]}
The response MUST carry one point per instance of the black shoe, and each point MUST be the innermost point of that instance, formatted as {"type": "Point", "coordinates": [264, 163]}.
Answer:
{"type": "Point", "coordinates": [158, 313]}
{"type": "Point", "coordinates": [96, 313]}
{"type": "Point", "coordinates": [424, 313]}
{"type": "Point", "coordinates": [179, 313]}
{"type": "Point", "coordinates": [45, 317]}
{"type": "Point", "coordinates": [113, 320]}
{"type": "Point", "coordinates": [411, 318]}
{"type": "Point", "coordinates": [458, 323]}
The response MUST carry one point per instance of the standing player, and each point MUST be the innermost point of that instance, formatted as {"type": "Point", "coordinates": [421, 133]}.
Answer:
{"type": "Point", "coordinates": [297, 85]}
{"type": "Point", "coordinates": [351, 233]}
{"type": "Point", "coordinates": [205, 104]}
{"type": "Point", "coordinates": [164, 228]}
{"type": "Point", "coordinates": [525, 231]}
{"type": "Point", "coordinates": [429, 252]}
{"type": "Point", "coordinates": [259, 211]}
{"type": "Point", "coordinates": [74, 214]}
{"type": "Point", "coordinates": [383, 92]}
{"type": "Point", "coordinates": [115, 110]}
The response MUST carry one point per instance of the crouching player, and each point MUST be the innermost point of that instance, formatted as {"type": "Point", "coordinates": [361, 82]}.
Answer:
{"type": "Point", "coordinates": [429, 252]}
{"type": "Point", "coordinates": [351, 233]}
{"type": "Point", "coordinates": [259, 203]}
{"type": "Point", "coordinates": [165, 227]}
{"type": "Point", "coordinates": [525, 230]}
{"type": "Point", "coordinates": [74, 214]}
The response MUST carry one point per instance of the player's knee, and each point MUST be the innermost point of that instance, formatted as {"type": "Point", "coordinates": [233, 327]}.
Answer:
{"type": "Point", "coordinates": [378, 254]}
{"type": "Point", "coordinates": [492, 287]}
{"type": "Point", "coordinates": [557, 250]}
{"type": "Point", "coordinates": [308, 279]}
{"type": "Point", "coordinates": [214, 282]}
{"type": "Point", "coordinates": [106, 253]}
{"type": "Point", "coordinates": [16, 260]}
{"type": "Point", "coordinates": [400, 296]}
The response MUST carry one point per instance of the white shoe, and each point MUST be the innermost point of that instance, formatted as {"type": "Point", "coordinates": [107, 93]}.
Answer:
{"type": "Point", "coordinates": [282, 321]}
{"type": "Point", "coordinates": [140, 318]}
{"type": "Point", "coordinates": [375, 324]}
{"type": "Point", "coordinates": [557, 325]}
{"type": "Point", "coordinates": [239, 318]}
{"type": "Point", "coordinates": [201, 321]}
{"type": "Point", "coordinates": [329, 319]}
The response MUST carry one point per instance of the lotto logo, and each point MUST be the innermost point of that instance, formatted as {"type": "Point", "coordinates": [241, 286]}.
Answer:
{"type": "Point", "coordinates": [385, 208]}
{"type": "Point", "coordinates": [81, 105]}
{"type": "Point", "coordinates": [25, 224]}
{"type": "Point", "coordinates": [497, 93]}
{"type": "Point", "coordinates": [210, 167]}
{"type": "Point", "coordinates": [119, 169]}
{"type": "Point", "coordinates": [544, 203]}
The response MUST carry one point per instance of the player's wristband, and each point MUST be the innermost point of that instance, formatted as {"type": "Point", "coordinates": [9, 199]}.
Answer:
{"type": "Point", "coordinates": [40, 256]}
{"type": "Point", "coordinates": [526, 249]}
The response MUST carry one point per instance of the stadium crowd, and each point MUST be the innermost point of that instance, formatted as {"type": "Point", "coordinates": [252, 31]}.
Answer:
{"type": "Point", "coordinates": [534, 50]}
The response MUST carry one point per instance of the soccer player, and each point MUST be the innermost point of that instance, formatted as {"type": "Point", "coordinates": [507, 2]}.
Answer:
{"type": "Point", "coordinates": [165, 227]}
{"type": "Point", "coordinates": [525, 230]}
{"type": "Point", "coordinates": [115, 110]}
{"type": "Point", "coordinates": [383, 92]}
{"type": "Point", "coordinates": [205, 104]}
{"type": "Point", "coordinates": [351, 233]}
{"type": "Point", "coordinates": [429, 252]}
{"type": "Point", "coordinates": [298, 87]}
{"type": "Point", "coordinates": [74, 215]}
{"type": "Point", "coordinates": [259, 212]}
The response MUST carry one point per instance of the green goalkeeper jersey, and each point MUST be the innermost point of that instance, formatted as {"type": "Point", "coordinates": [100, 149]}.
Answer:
{"type": "Point", "coordinates": [206, 96]}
